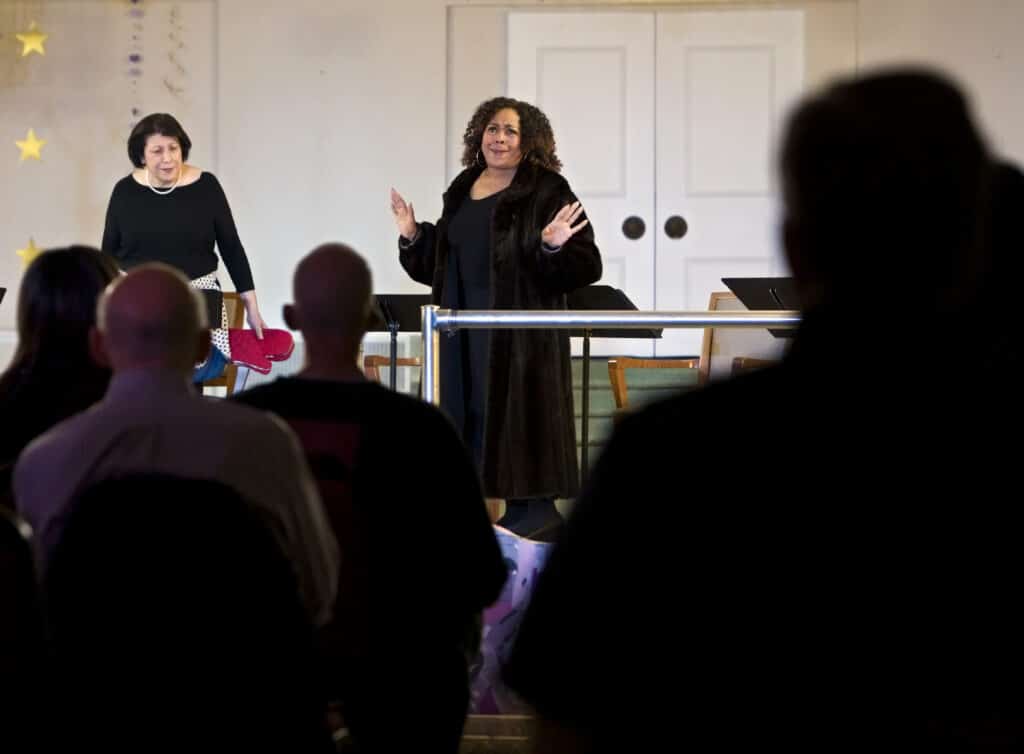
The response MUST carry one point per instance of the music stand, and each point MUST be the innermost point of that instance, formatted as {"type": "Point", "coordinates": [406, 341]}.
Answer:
{"type": "Point", "coordinates": [767, 294]}
{"type": "Point", "coordinates": [393, 312]}
{"type": "Point", "coordinates": [598, 298]}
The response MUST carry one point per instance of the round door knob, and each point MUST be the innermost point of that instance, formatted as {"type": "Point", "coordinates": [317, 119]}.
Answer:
{"type": "Point", "coordinates": [633, 228]}
{"type": "Point", "coordinates": [676, 227]}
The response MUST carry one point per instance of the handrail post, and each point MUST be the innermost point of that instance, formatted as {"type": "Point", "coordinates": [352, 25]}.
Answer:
{"type": "Point", "coordinates": [585, 426]}
{"type": "Point", "coordinates": [429, 382]}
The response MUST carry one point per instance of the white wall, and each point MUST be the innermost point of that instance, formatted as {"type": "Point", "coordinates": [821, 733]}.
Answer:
{"type": "Point", "coordinates": [978, 41]}
{"type": "Point", "coordinates": [321, 106]}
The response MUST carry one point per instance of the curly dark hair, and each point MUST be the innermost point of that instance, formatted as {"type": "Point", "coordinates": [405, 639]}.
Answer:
{"type": "Point", "coordinates": [156, 123]}
{"type": "Point", "coordinates": [536, 140]}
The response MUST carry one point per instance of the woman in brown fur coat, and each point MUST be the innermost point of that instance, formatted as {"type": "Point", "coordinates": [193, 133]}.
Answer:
{"type": "Point", "coordinates": [512, 235]}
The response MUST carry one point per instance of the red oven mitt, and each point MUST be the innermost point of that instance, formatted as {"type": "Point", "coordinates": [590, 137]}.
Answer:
{"type": "Point", "coordinates": [249, 351]}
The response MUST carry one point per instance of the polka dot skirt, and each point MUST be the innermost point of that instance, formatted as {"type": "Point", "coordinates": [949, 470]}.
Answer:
{"type": "Point", "coordinates": [219, 335]}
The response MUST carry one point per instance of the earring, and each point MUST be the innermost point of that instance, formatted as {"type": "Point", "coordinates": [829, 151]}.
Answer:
{"type": "Point", "coordinates": [480, 161]}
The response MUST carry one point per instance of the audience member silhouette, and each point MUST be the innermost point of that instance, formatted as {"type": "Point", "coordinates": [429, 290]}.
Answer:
{"type": "Point", "coordinates": [818, 555]}
{"type": "Point", "coordinates": [52, 375]}
{"type": "Point", "coordinates": [420, 557]}
{"type": "Point", "coordinates": [150, 330]}
{"type": "Point", "coordinates": [175, 618]}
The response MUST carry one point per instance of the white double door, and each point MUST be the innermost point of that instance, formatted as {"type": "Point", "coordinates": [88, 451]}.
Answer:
{"type": "Point", "coordinates": [667, 123]}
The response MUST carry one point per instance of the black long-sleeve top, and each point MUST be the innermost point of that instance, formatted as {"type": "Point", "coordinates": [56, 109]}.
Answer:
{"type": "Point", "coordinates": [179, 229]}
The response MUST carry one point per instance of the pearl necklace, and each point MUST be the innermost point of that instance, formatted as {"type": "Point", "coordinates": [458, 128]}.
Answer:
{"type": "Point", "coordinates": [164, 193]}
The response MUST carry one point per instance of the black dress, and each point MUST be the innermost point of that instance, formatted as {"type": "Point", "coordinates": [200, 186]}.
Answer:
{"type": "Point", "coordinates": [178, 228]}
{"type": "Point", "coordinates": [465, 357]}
{"type": "Point", "coordinates": [529, 447]}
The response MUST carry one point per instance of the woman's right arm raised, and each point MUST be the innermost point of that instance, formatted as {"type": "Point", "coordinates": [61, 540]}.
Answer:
{"type": "Point", "coordinates": [405, 217]}
{"type": "Point", "coordinates": [416, 241]}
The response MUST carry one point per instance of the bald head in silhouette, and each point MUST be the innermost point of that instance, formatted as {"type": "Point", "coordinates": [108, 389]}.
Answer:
{"type": "Point", "coordinates": [333, 291]}
{"type": "Point", "coordinates": [151, 319]}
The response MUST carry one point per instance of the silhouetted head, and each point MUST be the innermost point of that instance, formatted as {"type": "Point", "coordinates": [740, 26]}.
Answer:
{"type": "Point", "coordinates": [333, 290]}
{"type": "Point", "coordinates": [152, 318]}
{"type": "Point", "coordinates": [57, 305]}
{"type": "Point", "coordinates": [885, 180]}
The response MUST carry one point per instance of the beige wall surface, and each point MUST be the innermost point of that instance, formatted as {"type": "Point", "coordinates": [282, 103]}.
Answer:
{"type": "Point", "coordinates": [978, 42]}
{"type": "Point", "coordinates": [308, 111]}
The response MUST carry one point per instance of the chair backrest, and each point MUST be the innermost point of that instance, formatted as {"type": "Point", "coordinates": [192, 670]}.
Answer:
{"type": "Point", "coordinates": [723, 344]}
{"type": "Point", "coordinates": [617, 373]}
{"type": "Point", "coordinates": [177, 593]}
{"type": "Point", "coordinates": [373, 363]}
{"type": "Point", "coordinates": [235, 310]}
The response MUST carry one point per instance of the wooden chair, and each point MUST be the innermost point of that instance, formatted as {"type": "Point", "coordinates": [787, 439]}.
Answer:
{"type": "Point", "coordinates": [723, 346]}
{"type": "Point", "coordinates": [617, 373]}
{"type": "Point", "coordinates": [236, 321]}
{"type": "Point", "coordinates": [372, 364]}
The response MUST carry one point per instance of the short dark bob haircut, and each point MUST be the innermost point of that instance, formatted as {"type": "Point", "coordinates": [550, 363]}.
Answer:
{"type": "Point", "coordinates": [156, 123]}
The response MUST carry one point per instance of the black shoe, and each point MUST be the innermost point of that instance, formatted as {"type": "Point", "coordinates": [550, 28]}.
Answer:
{"type": "Point", "coordinates": [536, 519]}
{"type": "Point", "coordinates": [550, 532]}
{"type": "Point", "coordinates": [514, 513]}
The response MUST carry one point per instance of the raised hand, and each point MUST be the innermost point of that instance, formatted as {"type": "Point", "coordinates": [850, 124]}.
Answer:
{"type": "Point", "coordinates": [561, 229]}
{"type": "Point", "coordinates": [405, 218]}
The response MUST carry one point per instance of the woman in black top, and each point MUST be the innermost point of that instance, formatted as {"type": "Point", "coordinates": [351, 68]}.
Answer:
{"type": "Point", "coordinates": [169, 211]}
{"type": "Point", "coordinates": [512, 236]}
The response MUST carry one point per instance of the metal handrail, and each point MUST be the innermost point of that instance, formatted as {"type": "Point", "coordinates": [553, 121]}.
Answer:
{"type": "Point", "coordinates": [435, 319]}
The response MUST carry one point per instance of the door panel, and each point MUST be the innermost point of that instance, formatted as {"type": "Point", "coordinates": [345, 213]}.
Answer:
{"type": "Point", "coordinates": [592, 73]}
{"type": "Point", "coordinates": [671, 118]}
{"type": "Point", "coordinates": [725, 80]}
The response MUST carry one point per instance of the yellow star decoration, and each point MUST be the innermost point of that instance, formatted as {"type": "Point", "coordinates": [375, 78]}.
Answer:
{"type": "Point", "coordinates": [29, 253]}
{"type": "Point", "coordinates": [31, 146]}
{"type": "Point", "coordinates": [32, 40]}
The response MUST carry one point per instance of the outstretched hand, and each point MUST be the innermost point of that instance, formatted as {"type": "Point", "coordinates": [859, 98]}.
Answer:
{"type": "Point", "coordinates": [405, 217]}
{"type": "Point", "coordinates": [561, 229]}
